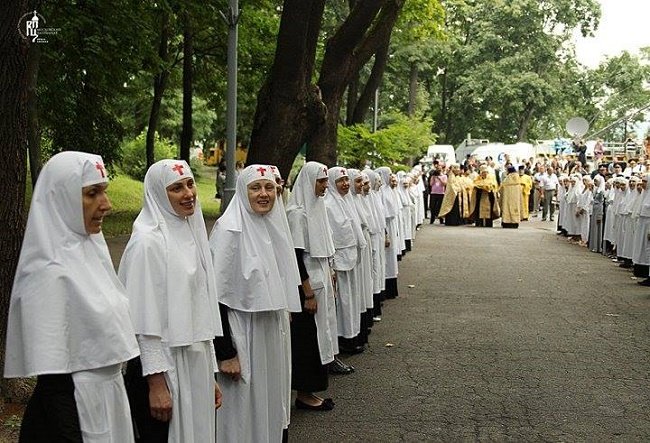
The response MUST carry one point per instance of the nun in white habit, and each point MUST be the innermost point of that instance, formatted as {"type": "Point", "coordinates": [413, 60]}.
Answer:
{"type": "Point", "coordinates": [393, 243]}
{"type": "Point", "coordinates": [348, 242]}
{"type": "Point", "coordinates": [314, 330]}
{"type": "Point", "coordinates": [377, 233]}
{"type": "Point", "coordinates": [69, 321]}
{"type": "Point", "coordinates": [250, 244]}
{"type": "Point", "coordinates": [359, 203]}
{"type": "Point", "coordinates": [641, 249]}
{"type": "Point", "coordinates": [168, 273]}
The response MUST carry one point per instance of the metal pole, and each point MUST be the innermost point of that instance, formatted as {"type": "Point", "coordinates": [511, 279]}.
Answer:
{"type": "Point", "coordinates": [376, 113]}
{"type": "Point", "coordinates": [231, 106]}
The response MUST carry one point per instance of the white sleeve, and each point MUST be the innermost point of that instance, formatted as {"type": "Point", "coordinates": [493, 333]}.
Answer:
{"type": "Point", "coordinates": [215, 365]}
{"type": "Point", "coordinates": [154, 355]}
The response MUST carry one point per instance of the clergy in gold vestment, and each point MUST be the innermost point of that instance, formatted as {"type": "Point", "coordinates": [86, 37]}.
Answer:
{"type": "Point", "coordinates": [467, 185]}
{"type": "Point", "coordinates": [511, 199]}
{"type": "Point", "coordinates": [526, 186]}
{"type": "Point", "coordinates": [484, 198]}
{"type": "Point", "coordinates": [451, 203]}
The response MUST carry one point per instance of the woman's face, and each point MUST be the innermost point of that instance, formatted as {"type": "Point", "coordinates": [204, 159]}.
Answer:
{"type": "Point", "coordinates": [321, 186]}
{"type": "Point", "coordinates": [358, 185]}
{"type": "Point", "coordinates": [343, 185]}
{"type": "Point", "coordinates": [366, 187]}
{"type": "Point", "coordinates": [261, 196]}
{"type": "Point", "coordinates": [96, 205]}
{"type": "Point", "coordinates": [182, 196]}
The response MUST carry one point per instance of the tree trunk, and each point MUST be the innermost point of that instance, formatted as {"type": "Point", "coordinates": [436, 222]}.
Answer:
{"type": "Point", "coordinates": [374, 80]}
{"type": "Point", "coordinates": [186, 133]}
{"type": "Point", "coordinates": [289, 107]}
{"type": "Point", "coordinates": [413, 89]}
{"type": "Point", "coordinates": [13, 141]}
{"type": "Point", "coordinates": [33, 129]}
{"type": "Point", "coordinates": [159, 86]}
{"type": "Point", "coordinates": [353, 99]}
{"type": "Point", "coordinates": [524, 123]}
{"type": "Point", "coordinates": [370, 22]}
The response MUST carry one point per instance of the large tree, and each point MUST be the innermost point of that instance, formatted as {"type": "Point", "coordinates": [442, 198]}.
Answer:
{"type": "Point", "coordinates": [13, 150]}
{"type": "Point", "coordinates": [289, 106]}
{"type": "Point", "coordinates": [291, 111]}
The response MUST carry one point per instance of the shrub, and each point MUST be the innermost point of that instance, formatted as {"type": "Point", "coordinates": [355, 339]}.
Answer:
{"type": "Point", "coordinates": [134, 161]}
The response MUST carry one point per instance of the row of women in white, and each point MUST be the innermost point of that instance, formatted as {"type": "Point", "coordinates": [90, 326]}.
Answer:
{"type": "Point", "coordinates": [610, 216]}
{"type": "Point", "coordinates": [73, 322]}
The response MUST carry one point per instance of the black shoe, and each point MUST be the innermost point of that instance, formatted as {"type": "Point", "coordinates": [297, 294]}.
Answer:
{"type": "Point", "coordinates": [351, 350]}
{"type": "Point", "coordinates": [625, 265]}
{"type": "Point", "coordinates": [645, 282]}
{"type": "Point", "coordinates": [326, 405]}
{"type": "Point", "coordinates": [337, 367]}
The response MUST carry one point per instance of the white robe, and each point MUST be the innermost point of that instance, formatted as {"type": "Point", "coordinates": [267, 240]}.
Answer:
{"type": "Point", "coordinates": [255, 407]}
{"type": "Point", "coordinates": [584, 204]}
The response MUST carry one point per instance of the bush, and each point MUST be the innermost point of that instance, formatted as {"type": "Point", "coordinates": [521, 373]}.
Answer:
{"type": "Point", "coordinates": [134, 160]}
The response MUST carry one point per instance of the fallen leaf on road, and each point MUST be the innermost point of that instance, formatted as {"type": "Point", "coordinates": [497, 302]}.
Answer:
{"type": "Point", "coordinates": [411, 286]}
{"type": "Point", "coordinates": [613, 315]}
{"type": "Point", "coordinates": [389, 345]}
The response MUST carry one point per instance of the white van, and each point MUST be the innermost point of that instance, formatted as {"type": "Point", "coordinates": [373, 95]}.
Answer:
{"type": "Point", "coordinates": [445, 153]}
{"type": "Point", "coordinates": [518, 152]}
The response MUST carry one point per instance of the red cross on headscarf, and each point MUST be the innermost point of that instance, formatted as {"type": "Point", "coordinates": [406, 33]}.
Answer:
{"type": "Point", "coordinates": [100, 168]}
{"type": "Point", "coordinates": [343, 172]}
{"type": "Point", "coordinates": [178, 168]}
{"type": "Point", "coordinates": [261, 170]}
{"type": "Point", "coordinates": [325, 171]}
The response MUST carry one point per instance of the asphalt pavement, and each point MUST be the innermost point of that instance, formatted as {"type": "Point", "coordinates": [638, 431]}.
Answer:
{"type": "Point", "coordinates": [498, 335]}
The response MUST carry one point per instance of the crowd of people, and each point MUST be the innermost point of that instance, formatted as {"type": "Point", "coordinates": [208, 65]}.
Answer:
{"type": "Point", "coordinates": [200, 337]}
{"type": "Point", "coordinates": [481, 191]}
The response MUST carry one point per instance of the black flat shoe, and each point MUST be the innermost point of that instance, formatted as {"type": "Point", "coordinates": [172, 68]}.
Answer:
{"type": "Point", "coordinates": [644, 282]}
{"type": "Point", "coordinates": [337, 367]}
{"type": "Point", "coordinates": [326, 405]}
{"type": "Point", "coordinates": [351, 351]}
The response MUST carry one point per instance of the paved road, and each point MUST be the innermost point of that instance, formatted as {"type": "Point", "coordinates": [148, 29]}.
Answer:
{"type": "Point", "coordinates": [507, 335]}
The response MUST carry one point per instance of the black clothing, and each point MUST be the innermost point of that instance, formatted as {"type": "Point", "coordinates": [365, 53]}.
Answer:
{"type": "Point", "coordinates": [223, 346]}
{"type": "Point", "coordinates": [146, 428]}
{"type": "Point", "coordinates": [435, 205]}
{"type": "Point", "coordinates": [51, 414]}
{"type": "Point", "coordinates": [308, 374]}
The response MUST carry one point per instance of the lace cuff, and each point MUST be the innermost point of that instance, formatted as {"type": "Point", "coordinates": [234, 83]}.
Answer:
{"type": "Point", "coordinates": [155, 356]}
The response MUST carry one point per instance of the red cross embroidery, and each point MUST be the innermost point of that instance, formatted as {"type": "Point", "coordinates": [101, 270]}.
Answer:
{"type": "Point", "coordinates": [261, 170]}
{"type": "Point", "coordinates": [343, 172]}
{"type": "Point", "coordinates": [325, 171]}
{"type": "Point", "coordinates": [178, 168]}
{"type": "Point", "coordinates": [100, 168]}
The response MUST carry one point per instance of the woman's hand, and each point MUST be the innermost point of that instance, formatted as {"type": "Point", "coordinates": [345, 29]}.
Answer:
{"type": "Point", "coordinates": [231, 368]}
{"type": "Point", "coordinates": [311, 305]}
{"type": "Point", "coordinates": [217, 396]}
{"type": "Point", "coordinates": [160, 400]}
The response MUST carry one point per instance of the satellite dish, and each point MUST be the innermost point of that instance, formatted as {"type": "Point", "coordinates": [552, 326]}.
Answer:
{"type": "Point", "coordinates": [577, 126]}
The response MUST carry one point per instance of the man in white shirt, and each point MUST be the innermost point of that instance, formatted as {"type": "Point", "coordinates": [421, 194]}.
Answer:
{"type": "Point", "coordinates": [549, 183]}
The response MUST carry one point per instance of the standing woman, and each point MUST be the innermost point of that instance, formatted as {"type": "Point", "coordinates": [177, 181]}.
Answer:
{"type": "Point", "coordinates": [314, 330]}
{"type": "Point", "coordinates": [258, 283]}
{"type": "Point", "coordinates": [168, 273]}
{"type": "Point", "coordinates": [69, 321]}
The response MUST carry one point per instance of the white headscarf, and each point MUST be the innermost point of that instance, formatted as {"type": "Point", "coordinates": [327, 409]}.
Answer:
{"type": "Point", "coordinates": [68, 311]}
{"type": "Point", "coordinates": [376, 205]}
{"type": "Point", "coordinates": [167, 267]}
{"type": "Point", "coordinates": [307, 215]}
{"type": "Point", "coordinates": [253, 254]}
{"type": "Point", "coordinates": [344, 220]}
{"type": "Point", "coordinates": [389, 197]}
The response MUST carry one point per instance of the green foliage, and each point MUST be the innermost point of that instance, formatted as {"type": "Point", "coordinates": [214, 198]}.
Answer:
{"type": "Point", "coordinates": [398, 139]}
{"type": "Point", "coordinates": [134, 162]}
